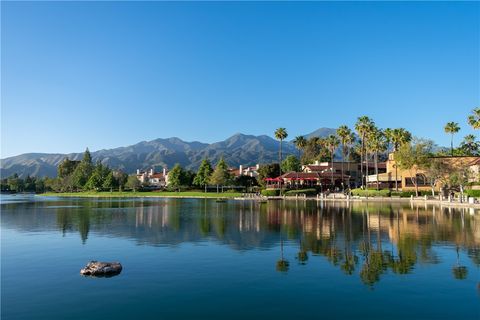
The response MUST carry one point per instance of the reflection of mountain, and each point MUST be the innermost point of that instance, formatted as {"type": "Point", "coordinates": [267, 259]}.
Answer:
{"type": "Point", "coordinates": [356, 238]}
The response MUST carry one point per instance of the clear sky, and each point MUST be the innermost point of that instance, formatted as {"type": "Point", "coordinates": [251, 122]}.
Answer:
{"type": "Point", "coordinates": [109, 74]}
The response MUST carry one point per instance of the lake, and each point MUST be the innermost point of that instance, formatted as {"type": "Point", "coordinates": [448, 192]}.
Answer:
{"type": "Point", "coordinates": [199, 259]}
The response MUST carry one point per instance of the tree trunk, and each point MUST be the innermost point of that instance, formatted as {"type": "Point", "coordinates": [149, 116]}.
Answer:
{"type": "Point", "coordinates": [361, 157]}
{"type": "Point", "coordinates": [376, 167]}
{"type": "Point", "coordinates": [333, 182]}
{"type": "Point", "coordinates": [366, 166]}
{"type": "Point", "coordinates": [396, 177]}
{"type": "Point", "coordinates": [343, 160]}
{"type": "Point", "coordinates": [348, 169]}
{"type": "Point", "coordinates": [451, 145]}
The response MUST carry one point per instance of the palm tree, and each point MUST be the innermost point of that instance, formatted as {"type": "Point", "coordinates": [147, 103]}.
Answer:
{"type": "Point", "coordinates": [377, 143]}
{"type": "Point", "coordinates": [469, 145]}
{"type": "Point", "coordinates": [332, 143]}
{"type": "Point", "coordinates": [452, 128]}
{"type": "Point", "coordinates": [474, 119]}
{"type": "Point", "coordinates": [361, 127]}
{"type": "Point", "coordinates": [300, 142]}
{"type": "Point", "coordinates": [281, 134]}
{"type": "Point", "coordinates": [397, 137]}
{"type": "Point", "coordinates": [369, 133]}
{"type": "Point", "coordinates": [344, 133]}
{"type": "Point", "coordinates": [350, 143]}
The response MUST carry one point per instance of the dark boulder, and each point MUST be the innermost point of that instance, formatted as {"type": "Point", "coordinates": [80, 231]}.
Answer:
{"type": "Point", "coordinates": [101, 269]}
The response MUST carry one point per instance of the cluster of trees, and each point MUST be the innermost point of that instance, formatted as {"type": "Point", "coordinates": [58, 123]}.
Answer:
{"type": "Point", "coordinates": [73, 175]}
{"type": "Point", "coordinates": [469, 145]}
{"type": "Point", "coordinates": [30, 184]}
{"type": "Point", "coordinates": [369, 144]}
{"type": "Point", "coordinates": [207, 175]}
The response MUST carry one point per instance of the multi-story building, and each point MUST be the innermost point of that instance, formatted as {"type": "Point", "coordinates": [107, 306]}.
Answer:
{"type": "Point", "coordinates": [152, 178]}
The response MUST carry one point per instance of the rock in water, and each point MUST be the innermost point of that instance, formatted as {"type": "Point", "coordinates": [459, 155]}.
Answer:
{"type": "Point", "coordinates": [101, 269]}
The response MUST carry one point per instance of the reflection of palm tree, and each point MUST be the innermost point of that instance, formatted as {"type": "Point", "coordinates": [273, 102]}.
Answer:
{"type": "Point", "coordinates": [459, 272]}
{"type": "Point", "coordinates": [302, 254]}
{"type": "Point", "coordinates": [282, 264]}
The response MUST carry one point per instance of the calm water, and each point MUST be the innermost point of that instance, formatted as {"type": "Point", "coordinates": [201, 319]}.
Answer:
{"type": "Point", "coordinates": [198, 259]}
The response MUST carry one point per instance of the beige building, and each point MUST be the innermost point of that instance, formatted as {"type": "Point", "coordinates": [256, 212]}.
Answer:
{"type": "Point", "coordinates": [404, 177]}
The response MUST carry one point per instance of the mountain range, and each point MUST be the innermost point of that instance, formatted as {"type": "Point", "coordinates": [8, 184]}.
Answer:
{"type": "Point", "coordinates": [239, 149]}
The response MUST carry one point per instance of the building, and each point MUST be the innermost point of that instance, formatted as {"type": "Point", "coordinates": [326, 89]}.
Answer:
{"type": "Point", "coordinates": [394, 176]}
{"type": "Point", "coordinates": [352, 170]}
{"type": "Point", "coordinates": [152, 178]}
{"type": "Point", "coordinates": [251, 171]}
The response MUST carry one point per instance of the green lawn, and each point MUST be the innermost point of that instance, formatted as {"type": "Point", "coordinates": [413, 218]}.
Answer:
{"type": "Point", "coordinates": [128, 194]}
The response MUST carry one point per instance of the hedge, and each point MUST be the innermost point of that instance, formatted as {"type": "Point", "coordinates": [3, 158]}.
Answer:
{"type": "Point", "coordinates": [473, 193]}
{"type": "Point", "coordinates": [270, 192]}
{"type": "Point", "coordinates": [408, 194]}
{"type": "Point", "coordinates": [371, 193]}
{"type": "Point", "coordinates": [308, 192]}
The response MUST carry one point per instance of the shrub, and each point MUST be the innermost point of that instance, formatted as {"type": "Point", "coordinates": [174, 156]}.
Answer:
{"type": "Point", "coordinates": [270, 192]}
{"type": "Point", "coordinates": [371, 193]}
{"type": "Point", "coordinates": [473, 193]}
{"type": "Point", "coordinates": [308, 192]}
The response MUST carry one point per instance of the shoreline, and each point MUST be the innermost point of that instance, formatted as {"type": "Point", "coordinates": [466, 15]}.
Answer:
{"type": "Point", "coordinates": [240, 197]}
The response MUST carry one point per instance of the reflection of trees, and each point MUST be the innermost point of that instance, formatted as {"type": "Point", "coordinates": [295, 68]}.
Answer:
{"type": "Point", "coordinates": [348, 236]}
{"type": "Point", "coordinates": [282, 265]}
{"type": "Point", "coordinates": [459, 272]}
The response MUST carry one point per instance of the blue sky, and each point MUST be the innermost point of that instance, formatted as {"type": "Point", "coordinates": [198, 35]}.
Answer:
{"type": "Point", "coordinates": [108, 74]}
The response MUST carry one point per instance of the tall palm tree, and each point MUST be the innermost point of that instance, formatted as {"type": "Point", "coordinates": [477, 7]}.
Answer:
{"type": "Point", "coordinates": [281, 134]}
{"type": "Point", "coordinates": [397, 137]}
{"type": "Point", "coordinates": [369, 133]}
{"type": "Point", "coordinates": [474, 119]}
{"type": "Point", "coordinates": [300, 142]}
{"type": "Point", "coordinates": [344, 133]}
{"type": "Point", "coordinates": [452, 128]}
{"type": "Point", "coordinates": [377, 144]}
{"type": "Point", "coordinates": [332, 143]}
{"type": "Point", "coordinates": [350, 143]}
{"type": "Point", "coordinates": [361, 127]}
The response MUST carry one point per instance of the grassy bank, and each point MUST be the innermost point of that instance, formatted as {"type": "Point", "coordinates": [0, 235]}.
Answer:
{"type": "Point", "coordinates": [130, 194]}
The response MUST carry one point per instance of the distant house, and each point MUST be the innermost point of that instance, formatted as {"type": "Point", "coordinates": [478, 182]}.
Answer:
{"type": "Point", "coordinates": [251, 171]}
{"type": "Point", "coordinates": [152, 178]}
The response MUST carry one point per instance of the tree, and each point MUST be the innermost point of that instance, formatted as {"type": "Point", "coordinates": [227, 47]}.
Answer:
{"type": "Point", "coordinates": [176, 177]}
{"type": "Point", "coordinates": [280, 134]}
{"type": "Point", "coordinates": [66, 167]}
{"type": "Point", "coordinates": [133, 183]}
{"type": "Point", "coordinates": [203, 173]}
{"type": "Point", "coordinates": [397, 137]}
{"type": "Point", "coordinates": [332, 143]}
{"type": "Point", "coordinates": [376, 144]}
{"type": "Point", "coordinates": [459, 177]}
{"type": "Point", "coordinates": [436, 171]}
{"type": "Point", "coordinates": [412, 157]}
{"type": "Point", "coordinates": [451, 128]}
{"type": "Point", "coordinates": [109, 182]}
{"type": "Point", "coordinates": [362, 127]}
{"type": "Point", "coordinates": [82, 171]}
{"type": "Point", "coordinates": [300, 142]}
{"type": "Point", "coordinates": [469, 146]}
{"type": "Point", "coordinates": [220, 175]}
{"type": "Point", "coordinates": [267, 171]}
{"type": "Point", "coordinates": [345, 135]}
{"type": "Point", "coordinates": [474, 119]}
{"type": "Point", "coordinates": [291, 163]}
{"type": "Point", "coordinates": [121, 178]}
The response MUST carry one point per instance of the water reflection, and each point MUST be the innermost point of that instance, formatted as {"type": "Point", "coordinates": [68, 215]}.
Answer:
{"type": "Point", "coordinates": [364, 240]}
